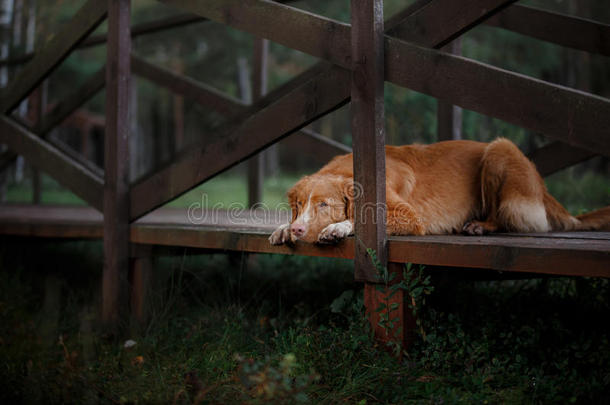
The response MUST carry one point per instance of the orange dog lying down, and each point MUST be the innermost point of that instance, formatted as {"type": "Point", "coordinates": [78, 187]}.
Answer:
{"type": "Point", "coordinates": [447, 187]}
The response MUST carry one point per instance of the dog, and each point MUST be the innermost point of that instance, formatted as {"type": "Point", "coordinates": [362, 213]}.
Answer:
{"type": "Point", "coordinates": [443, 188]}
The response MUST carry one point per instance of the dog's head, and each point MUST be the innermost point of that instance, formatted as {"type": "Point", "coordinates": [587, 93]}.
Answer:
{"type": "Point", "coordinates": [318, 201]}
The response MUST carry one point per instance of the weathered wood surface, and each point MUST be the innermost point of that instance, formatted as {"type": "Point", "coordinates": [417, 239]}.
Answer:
{"type": "Point", "coordinates": [47, 157]}
{"type": "Point", "coordinates": [568, 115]}
{"type": "Point", "coordinates": [116, 164]}
{"type": "Point", "coordinates": [557, 156]}
{"type": "Point", "coordinates": [368, 133]}
{"type": "Point", "coordinates": [84, 21]}
{"type": "Point", "coordinates": [547, 255]}
{"type": "Point", "coordinates": [565, 30]}
{"type": "Point", "coordinates": [562, 253]}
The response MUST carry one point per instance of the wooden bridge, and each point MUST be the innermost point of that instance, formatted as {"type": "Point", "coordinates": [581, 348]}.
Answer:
{"type": "Point", "coordinates": [356, 60]}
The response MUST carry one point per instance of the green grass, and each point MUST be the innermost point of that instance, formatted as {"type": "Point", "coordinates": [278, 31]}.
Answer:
{"type": "Point", "coordinates": [227, 190]}
{"type": "Point", "coordinates": [260, 329]}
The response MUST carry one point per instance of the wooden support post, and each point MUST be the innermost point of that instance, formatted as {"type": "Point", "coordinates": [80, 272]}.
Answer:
{"type": "Point", "coordinates": [368, 135]}
{"type": "Point", "coordinates": [369, 163]}
{"type": "Point", "coordinates": [449, 116]}
{"type": "Point", "coordinates": [401, 316]}
{"type": "Point", "coordinates": [259, 89]}
{"type": "Point", "coordinates": [116, 165]}
{"type": "Point", "coordinates": [140, 281]}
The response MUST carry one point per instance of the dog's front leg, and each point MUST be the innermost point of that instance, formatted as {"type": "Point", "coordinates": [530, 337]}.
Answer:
{"type": "Point", "coordinates": [281, 235]}
{"type": "Point", "coordinates": [333, 233]}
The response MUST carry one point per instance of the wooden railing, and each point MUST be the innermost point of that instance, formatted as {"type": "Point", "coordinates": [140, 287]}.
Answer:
{"type": "Point", "coordinates": [356, 60]}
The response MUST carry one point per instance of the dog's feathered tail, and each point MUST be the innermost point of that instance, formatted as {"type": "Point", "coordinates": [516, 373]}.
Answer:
{"type": "Point", "coordinates": [598, 220]}
{"type": "Point", "coordinates": [561, 220]}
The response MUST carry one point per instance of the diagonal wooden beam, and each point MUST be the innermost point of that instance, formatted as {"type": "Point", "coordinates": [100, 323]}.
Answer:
{"type": "Point", "coordinates": [86, 19]}
{"type": "Point", "coordinates": [440, 22]}
{"type": "Point", "coordinates": [136, 31]}
{"type": "Point", "coordinates": [211, 98]}
{"type": "Point", "coordinates": [330, 39]}
{"type": "Point", "coordinates": [275, 117]}
{"type": "Point", "coordinates": [297, 29]}
{"type": "Point", "coordinates": [75, 155]}
{"type": "Point", "coordinates": [557, 156]}
{"type": "Point", "coordinates": [74, 101]}
{"type": "Point", "coordinates": [76, 177]}
{"type": "Point", "coordinates": [565, 30]}
{"type": "Point", "coordinates": [148, 27]}
{"type": "Point", "coordinates": [331, 144]}
{"type": "Point", "coordinates": [61, 111]}
{"type": "Point", "coordinates": [200, 93]}
{"type": "Point", "coordinates": [568, 115]}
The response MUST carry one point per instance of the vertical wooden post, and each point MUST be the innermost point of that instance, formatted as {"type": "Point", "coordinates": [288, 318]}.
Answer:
{"type": "Point", "coordinates": [140, 280]}
{"type": "Point", "coordinates": [116, 165]}
{"type": "Point", "coordinates": [404, 330]}
{"type": "Point", "coordinates": [449, 116]}
{"type": "Point", "coordinates": [259, 88]}
{"type": "Point", "coordinates": [368, 135]}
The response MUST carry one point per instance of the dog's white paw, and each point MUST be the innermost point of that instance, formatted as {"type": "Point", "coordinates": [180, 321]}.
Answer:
{"type": "Point", "coordinates": [281, 235]}
{"type": "Point", "coordinates": [333, 233]}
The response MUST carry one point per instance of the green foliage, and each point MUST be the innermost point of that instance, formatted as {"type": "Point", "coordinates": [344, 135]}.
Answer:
{"type": "Point", "coordinates": [415, 287]}
{"type": "Point", "coordinates": [279, 383]}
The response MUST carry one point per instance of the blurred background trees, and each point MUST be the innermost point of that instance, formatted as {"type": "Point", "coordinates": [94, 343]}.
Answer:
{"type": "Point", "coordinates": [163, 124]}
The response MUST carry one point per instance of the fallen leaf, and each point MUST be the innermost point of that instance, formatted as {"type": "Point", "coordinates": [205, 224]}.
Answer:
{"type": "Point", "coordinates": [137, 361]}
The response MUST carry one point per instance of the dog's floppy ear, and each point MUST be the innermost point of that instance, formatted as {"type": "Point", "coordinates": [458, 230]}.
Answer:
{"type": "Point", "coordinates": [348, 191]}
{"type": "Point", "coordinates": [292, 200]}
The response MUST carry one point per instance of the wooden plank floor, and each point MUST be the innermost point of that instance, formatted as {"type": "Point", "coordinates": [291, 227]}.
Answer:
{"type": "Point", "coordinates": [562, 253]}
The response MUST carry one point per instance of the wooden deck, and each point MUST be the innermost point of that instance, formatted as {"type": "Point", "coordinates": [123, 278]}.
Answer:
{"type": "Point", "coordinates": [566, 253]}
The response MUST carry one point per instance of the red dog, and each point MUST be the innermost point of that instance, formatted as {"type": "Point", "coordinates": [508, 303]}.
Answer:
{"type": "Point", "coordinates": [443, 188]}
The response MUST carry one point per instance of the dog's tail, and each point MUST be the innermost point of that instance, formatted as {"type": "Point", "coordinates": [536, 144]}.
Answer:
{"type": "Point", "coordinates": [561, 220]}
{"type": "Point", "coordinates": [598, 220]}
